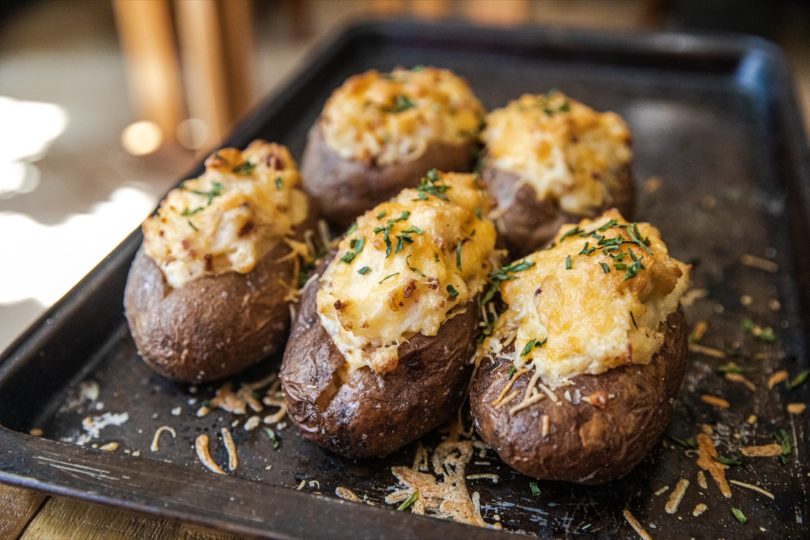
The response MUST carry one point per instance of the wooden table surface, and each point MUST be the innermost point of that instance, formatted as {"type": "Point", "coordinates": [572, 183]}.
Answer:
{"type": "Point", "coordinates": [32, 515]}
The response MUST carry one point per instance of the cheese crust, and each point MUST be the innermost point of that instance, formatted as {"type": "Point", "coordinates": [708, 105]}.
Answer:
{"type": "Point", "coordinates": [596, 299]}
{"type": "Point", "coordinates": [227, 219]}
{"type": "Point", "coordinates": [407, 266]}
{"type": "Point", "coordinates": [563, 149]}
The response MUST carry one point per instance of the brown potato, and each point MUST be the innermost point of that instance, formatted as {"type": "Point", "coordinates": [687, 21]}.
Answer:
{"type": "Point", "coordinates": [527, 224]}
{"type": "Point", "coordinates": [585, 443]}
{"type": "Point", "coordinates": [363, 413]}
{"type": "Point", "coordinates": [344, 188]}
{"type": "Point", "coordinates": [213, 326]}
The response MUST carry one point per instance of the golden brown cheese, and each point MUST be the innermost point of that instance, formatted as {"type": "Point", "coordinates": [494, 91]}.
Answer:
{"type": "Point", "coordinates": [230, 217]}
{"type": "Point", "coordinates": [565, 150]}
{"type": "Point", "coordinates": [406, 267]}
{"type": "Point", "coordinates": [388, 118]}
{"type": "Point", "coordinates": [596, 299]}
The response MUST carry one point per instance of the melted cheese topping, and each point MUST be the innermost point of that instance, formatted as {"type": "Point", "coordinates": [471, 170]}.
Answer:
{"type": "Point", "coordinates": [565, 150]}
{"type": "Point", "coordinates": [387, 118]}
{"type": "Point", "coordinates": [406, 267]}
{"type": "Point", "coordinates": [589, 303]}
{"type": "Point", "coordinates": [230, 217]}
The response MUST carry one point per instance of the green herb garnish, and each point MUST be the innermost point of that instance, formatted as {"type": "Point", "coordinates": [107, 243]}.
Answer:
{"type": "Point", "coordinates": [739, 515]}
{"type": "Point", "coordinates": [190, 224]}
{"type": "Point", "coordinates": [570, 232]}
{"type": "Point", "coordinates": [458, 254]}
{"type": "Point", "coordinates": [429, 185]}
{"type": "Point", "coordinates": [381, 214]}
{"type": "Point", "coordinates": [504, 273]}
{"type": "Point", "coordinates": [273, 438]}
{"type": "Point", "coordinates": [187, 213]}
{"type": "Point", "coordinates": [388, 276]}
{"type": "Point", "coordinates": [633, 318]}
{"type": "Point", "coordinates": [413, 268]}
{"type": "Point", "coordinates": [783, 438]}
{"type": "Point", "coordinates": [279, 183]}
{"type": "Point", "coordinates": [452, 292]}
{"type": "Point", "coordinates": [401, 103]}
{"type": "Point", "coordinates": [245, 168]}
{"type": "Point", "coordinates": [798, 380]}
{"type": "Point", "coordinates": [363, 271]}
{"type": "Point", "coordinates": [686, 443]}
{"type": "Point", "coordinates": [535, 489]}
{"type": "Point", "coordinates": [215, 191]}
{"type": "Point", "coordinates": [605, 267]}
{"type": "Point", "coordinates": [356, 246]}
{"type": "Point", "coordinates": [512, 371]}
{"type": "Point", "coordinates": [568, 262]}
{"type": "Point", "coordinates": [531, 344]}
{"type": "Point", "coordinates": [730, 461]}
{"type": "Point", "coordinates": [409, 501]}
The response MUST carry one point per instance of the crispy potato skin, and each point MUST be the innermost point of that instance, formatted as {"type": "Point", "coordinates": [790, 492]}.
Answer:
{"type": "Point", "coordinates": [344, 189]}
{"type": "Point", "coordinates": [364, 414]}
{"type": "Point", "coordinates": [586, 444]}
{"type": "Point", "coordinates": [211, 327]}
{"type": "Point", "coordinates": [527, 224]}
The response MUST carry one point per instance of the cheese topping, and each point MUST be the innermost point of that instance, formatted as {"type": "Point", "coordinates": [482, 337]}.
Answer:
{"type": "Point", "coordinates": [387, 118]}
{"type": "Point", "coordinates": [565, 150]}
{"type": "Point", "coordinates": [596, 299]}
{"type": "Point", "coordinates": [230, 217]}
{"type": "Point", "coordinates": [406, 267]}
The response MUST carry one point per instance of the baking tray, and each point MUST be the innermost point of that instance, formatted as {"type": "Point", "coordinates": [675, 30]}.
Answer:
{"type": "Point", "coordinates": [714, 118]}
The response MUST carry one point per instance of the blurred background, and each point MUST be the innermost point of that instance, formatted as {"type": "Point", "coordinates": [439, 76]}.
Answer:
{"type": "Point", "coordinates": [104, 104]}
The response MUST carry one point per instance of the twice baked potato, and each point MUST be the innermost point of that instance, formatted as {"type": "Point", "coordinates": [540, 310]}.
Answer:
{"type": "Point", "coordinates": [207, 294]}
{"type": "Point", "coordinates": [380, 352]}
{"type": "Point", "coordinates": [576, 381]}
{"type": "Point", "coordinates": [380, 132]}
{"type": "Point", "coordinates": [551, 160]}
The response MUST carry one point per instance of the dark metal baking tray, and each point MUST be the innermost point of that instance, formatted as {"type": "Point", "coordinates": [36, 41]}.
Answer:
{"type": "Point", "coordinates": [714, 117]}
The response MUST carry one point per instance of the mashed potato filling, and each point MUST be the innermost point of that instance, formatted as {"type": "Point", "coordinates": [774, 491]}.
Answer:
{"type": "Point", "coordinates": [563, 149]}
{"type": "Point", "coordinates": [227, 219]}
{"type": "Point", "coordinates": [386, 118]}
{"type": "Point", "coordinates": [407, 266]}
{"type": "Point", "coordinates": [596, 299]}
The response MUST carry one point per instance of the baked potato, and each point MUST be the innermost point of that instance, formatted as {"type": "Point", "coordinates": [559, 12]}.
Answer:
{"type": "Point", "coordinates": [577, 380]}
{"type": "Point", "coordinates": [550, 160]}
{"type": "Point", "coordinates": [207, 294]}
{"type": "Point", "coordinates": [380, 352]}
{"type": "Point", "coordinates": [380, 132]}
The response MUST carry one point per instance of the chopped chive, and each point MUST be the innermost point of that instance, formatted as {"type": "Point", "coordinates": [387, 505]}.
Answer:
{"type": "Point", "coordinates": [633, 318]}
{"type": "Point", "coordinates": [273, 438]}
{"type": "Point", "coordinates": [363, 271]}
{"type": "Point", "coordinates": [686, 443]}
{"type": "Point", "coordinates": [730, 461]}
{"type": "Point", "coordinates": [381, 214]}
{"type": "Point", "coordinates": [412, 229]}
{"type": "Point", "coordinates": [605, 267]}
{"type": "Point", "coordinates": [528, 347]}
{"type": "Point", "coordinates": [783, 438]}
{"type": "Point", "coordinates": [478, 213]}
{"type": "Point", "coordinates": [388, 276]}
{"type": "Point", "coordinates": [279, 183]}
{"type": "Point", "coordinates": [608, 225]}
{"type": "Point", "coordinates": [568, 262]}
{"type": "Point", "coordinates": [620, 266]}
{"type": "Point", "coordinates": [351, 229]}
{"type": "Point", "coordinates": [413, 268]}
{"type": "Point", "coordinates": [458, 254]}
{"type": "Point", "coordinates": [401, 103]}
{"type": "Point", "coordinates": [512, 371]}
{"type": "Point", "coordinates": [409, 501]}
{"type": "Point", "coordinates": [535, 489]}
{"type": "Point", "coordinates": [799, 379]}
{"type": "Point", "coordinates": [192, 225]}
{"type": "Point", "coordinates": [452, 292]}
{"type": "Point", "coordinates": [739, 515]}
{"type": "Point", "coordinates": [571, 232]}
{"type": "Point", "coordinates": [245, 167]}
{"type": "Point", "coordinates": [187, 213]}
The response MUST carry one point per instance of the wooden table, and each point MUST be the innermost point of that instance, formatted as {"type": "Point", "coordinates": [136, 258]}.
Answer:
{"type": "Point", "coordinates": [32, 515]}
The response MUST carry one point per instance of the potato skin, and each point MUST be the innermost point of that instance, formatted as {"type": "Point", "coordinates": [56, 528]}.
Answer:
{"type": "Point", "coordinates": [527, 224]}
{"type": "Point", "coordinates": [372, 415]}
{"type": "Point", "coordinates": [214, 326]}
{"type": "Point", "coordinates": [585, 444]}
{"type": "Point", "coordinates": [344, 188]}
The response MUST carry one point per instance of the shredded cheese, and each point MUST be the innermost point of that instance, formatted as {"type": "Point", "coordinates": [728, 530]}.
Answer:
{"type": "Point", "coordinates": [155, 446]}
{"type": "Point", "coordinates": [204, 455]}
{"type": "Point", "coordinates": [675, 498]}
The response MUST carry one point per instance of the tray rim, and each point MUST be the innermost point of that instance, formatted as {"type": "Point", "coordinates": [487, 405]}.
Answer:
{"type": "Point", "coordinates": [16, 447]}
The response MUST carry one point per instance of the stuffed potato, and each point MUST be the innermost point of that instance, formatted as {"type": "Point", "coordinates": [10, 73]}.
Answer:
{"type": "Point", "coordinates": [380, 351]}
{"type": "Point", "coordinates": [551, 160]}
{"type": "Point", "coordinates": [207, 294]}
{"type": "Point", "coordinates": [380, 132]}
{"type": "Point", "coordinates": [577, 379]}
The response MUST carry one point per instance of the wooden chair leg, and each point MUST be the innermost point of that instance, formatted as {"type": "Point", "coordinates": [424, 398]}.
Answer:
{"type": "Point", "coordinates": [147, 39]}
